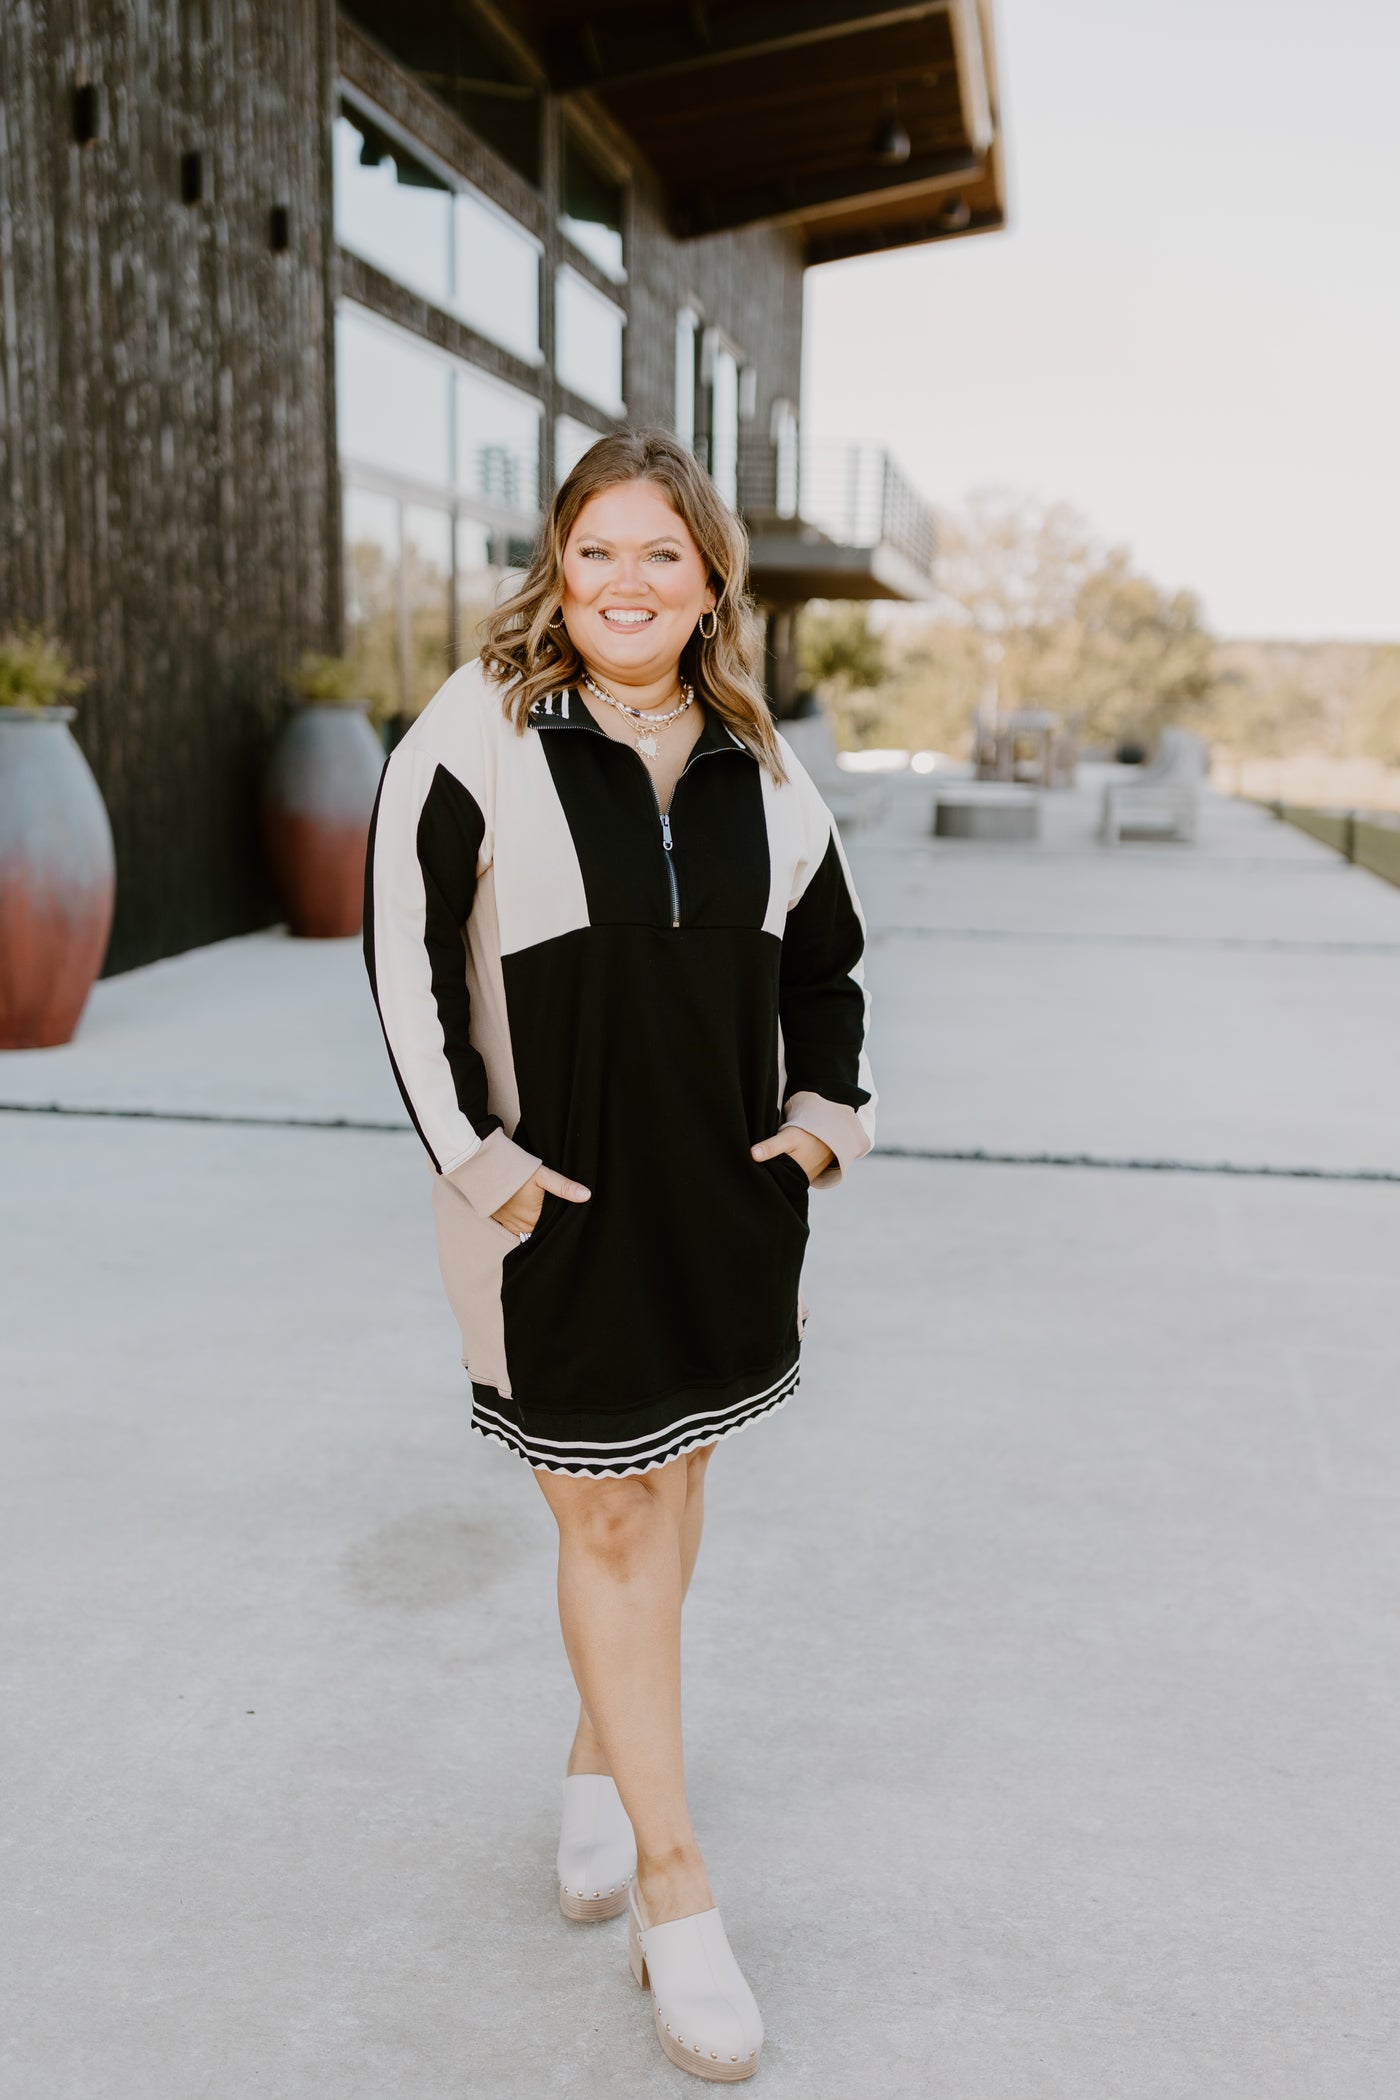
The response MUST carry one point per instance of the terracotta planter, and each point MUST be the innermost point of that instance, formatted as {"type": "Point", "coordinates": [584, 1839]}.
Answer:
{"type": "Point", "coordinates": [317, 801]}
{"type": "Point", "coordinates": [58, 878]}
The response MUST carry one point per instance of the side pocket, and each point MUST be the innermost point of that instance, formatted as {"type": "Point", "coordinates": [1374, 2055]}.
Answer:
{"type": "Point", "coordinates": [471, 1252]}
{"type": "Point", "coordinates": [791, 1178]}
{"type": "Point", "coordinates": [549, 1211]}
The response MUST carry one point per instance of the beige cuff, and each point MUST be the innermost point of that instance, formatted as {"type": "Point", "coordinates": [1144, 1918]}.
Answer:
{"type": "Point", "coordinates": [835, 1124]}
{"type": "Point", "coordinates": [494, 1172]}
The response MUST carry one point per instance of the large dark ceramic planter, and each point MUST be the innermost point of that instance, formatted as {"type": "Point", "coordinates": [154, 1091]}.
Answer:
{"type": "Point", "coordinates": [317, 801]}
{"type": "Point", "coordinates": [58, 878]}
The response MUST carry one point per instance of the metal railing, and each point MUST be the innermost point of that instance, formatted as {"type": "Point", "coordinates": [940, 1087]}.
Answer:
{"type": "Point", "coordinates": [853, 493]}
{"type": "Point", "coordinates": [1369, 838]}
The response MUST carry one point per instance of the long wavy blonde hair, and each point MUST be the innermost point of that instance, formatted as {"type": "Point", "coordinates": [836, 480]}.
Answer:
{"type": "Point", "coordinates": [527, 647]}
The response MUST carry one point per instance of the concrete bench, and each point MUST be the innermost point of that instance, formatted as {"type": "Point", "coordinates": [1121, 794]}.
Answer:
{"type": "Point", "coordinates": [1003, 815]}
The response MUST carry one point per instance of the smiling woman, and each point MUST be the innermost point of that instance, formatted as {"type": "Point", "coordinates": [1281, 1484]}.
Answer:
{"type": "Point", "coordinates": [637, 526]}
{"type": "Point", "coordinates": [635, 590]}
{"type": "Point", "coordinates": [623, 994]}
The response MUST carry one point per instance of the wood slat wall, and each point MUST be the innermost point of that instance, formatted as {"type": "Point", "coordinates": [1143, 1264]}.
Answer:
{"type": "Point", "coordinates": [166, 431]}
{"type": "Point", "coordinates": [168, 485]}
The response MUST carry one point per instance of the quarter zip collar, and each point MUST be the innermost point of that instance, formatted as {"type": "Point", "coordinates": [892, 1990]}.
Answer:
{"type": "Point", "coordinates": [566, 710]}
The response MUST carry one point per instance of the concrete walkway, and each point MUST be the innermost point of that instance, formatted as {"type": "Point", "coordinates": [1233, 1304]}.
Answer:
{"type": "Point", "coordinates": [1043, 1656]}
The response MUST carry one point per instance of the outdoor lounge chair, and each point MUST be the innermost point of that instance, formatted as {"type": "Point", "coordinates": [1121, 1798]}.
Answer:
{"type": "Point", "coordinates": [1164, 799]}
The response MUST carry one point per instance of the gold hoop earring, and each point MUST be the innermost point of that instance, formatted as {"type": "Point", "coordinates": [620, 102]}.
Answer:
{"type": "Point", "coordinates": [556, 618]}
{"type": "Point", "coordinates": [713, 629]}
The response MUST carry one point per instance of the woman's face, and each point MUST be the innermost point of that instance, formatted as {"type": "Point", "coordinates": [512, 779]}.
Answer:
{"type": "Point", "coordinates": [634, 584]}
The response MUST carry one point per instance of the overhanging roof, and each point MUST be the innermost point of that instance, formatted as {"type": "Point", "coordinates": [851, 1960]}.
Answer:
{"type": "Point", "coordinates": [764, 112]}
{"type": "Point", "coordinates": [789, 566]}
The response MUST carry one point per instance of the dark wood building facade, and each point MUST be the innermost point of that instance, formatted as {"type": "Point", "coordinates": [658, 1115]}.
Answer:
{"type": "Point", "coordinates": [303, 309]}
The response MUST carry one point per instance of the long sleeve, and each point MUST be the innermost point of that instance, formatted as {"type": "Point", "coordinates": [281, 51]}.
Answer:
{"type": "Point", "coordinates": [426, 838]}
{"type": "Point", "coordinates": [823, 1001]}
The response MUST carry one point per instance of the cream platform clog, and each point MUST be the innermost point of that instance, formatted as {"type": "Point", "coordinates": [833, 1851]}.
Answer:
{"type": "Point", "coordinates": [597, 1852]}
{"type": "Point", "coordinates": [706, 2018]}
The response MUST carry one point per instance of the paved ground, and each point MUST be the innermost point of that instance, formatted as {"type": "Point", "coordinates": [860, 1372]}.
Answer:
{"type": "Point", "coordinates": [1043, 1656]}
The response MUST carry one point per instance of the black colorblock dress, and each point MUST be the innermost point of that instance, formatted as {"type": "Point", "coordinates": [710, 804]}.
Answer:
{"type": "Point", "coordinates": [565, 975]}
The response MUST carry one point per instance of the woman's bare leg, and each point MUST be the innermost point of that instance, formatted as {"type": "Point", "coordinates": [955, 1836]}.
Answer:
{"type": "Point", "coordinates": [626, 1552]}
{"type": "Point", "coordinates": [587, 1753]}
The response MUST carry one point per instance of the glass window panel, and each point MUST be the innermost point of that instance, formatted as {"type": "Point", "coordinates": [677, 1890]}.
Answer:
{"type": "Point", "coordinates": [588, 342]}
{"type": "Point", "coordinates": [390, 208]}
{"type": "Point", "coordinates": [372, 595]}
{"type": "Point", "coordinates": [498, 277]}
{"type": "Point", "coordinates": [392, 400]}
{"type": "Point", "coordinates": [427, 587]}
{"type": "Point", "coordinates": [498, 442]}
{"type": "Point", "coordinates": [592, 214]}
{"type": "Point", "coordinates": [571, 440]}
{"type": "Point", "coordinates": [685, 375]}
{"type": "Point", "coordinates": [462, 63]}
{"type": "Point", "coordinates": [724, 425]}
{"type": "Point", "coordinates": [477, 579]}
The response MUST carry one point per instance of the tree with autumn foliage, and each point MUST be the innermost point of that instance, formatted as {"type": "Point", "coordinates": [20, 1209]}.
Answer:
{"type": "Point", "coordinates": [1032, 612]}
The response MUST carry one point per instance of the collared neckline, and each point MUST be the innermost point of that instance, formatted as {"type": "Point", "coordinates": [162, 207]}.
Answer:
{"type": "Point", "coordinates": [568, 710]}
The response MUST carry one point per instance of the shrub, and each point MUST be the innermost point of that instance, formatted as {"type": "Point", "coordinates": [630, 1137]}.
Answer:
{"type": "Point", "coordinates": [36, 670]}
{"type": "Point", "coordinates": [332, 678]}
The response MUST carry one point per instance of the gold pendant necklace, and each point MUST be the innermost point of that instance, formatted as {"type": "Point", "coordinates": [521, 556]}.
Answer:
{"type": "Point", "coordinates": [645, 738]}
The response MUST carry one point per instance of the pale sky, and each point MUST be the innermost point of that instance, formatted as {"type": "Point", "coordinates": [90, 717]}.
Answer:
{"type": "Point", "coordinates": [1191, 330]}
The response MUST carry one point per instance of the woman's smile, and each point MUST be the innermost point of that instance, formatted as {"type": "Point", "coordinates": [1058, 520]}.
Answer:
{"type": "Point", "coordinates": [635, 586]}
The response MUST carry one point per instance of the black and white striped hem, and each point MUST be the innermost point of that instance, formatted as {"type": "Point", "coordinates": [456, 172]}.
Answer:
{"type": "Point", "coordinates": [600, 1459]}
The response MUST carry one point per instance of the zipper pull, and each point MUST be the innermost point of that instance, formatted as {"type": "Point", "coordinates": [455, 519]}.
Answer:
{"type": "Point", "coordinates": [666, 830]}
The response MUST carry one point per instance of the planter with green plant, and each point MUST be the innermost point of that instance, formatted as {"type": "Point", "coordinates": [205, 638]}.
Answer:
{"type": "Point", "coordinates": [57, 864]}
{"type": "Point", "coordinates": [317, 799]}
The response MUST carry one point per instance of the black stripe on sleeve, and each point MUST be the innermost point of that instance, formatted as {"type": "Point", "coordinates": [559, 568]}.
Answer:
{"type": "Point", "coordinates": [368, 943]}
{"type": "Point", "coordinates": [820, 1004]}
{"type": "Point", "coordinates": [451, 828]}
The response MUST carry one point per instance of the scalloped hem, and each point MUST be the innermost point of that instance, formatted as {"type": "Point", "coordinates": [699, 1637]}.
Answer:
{"type": "Point", "coordinates": [589, 1470]}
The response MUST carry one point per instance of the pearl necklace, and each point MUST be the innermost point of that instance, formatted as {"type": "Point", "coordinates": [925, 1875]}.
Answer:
{"type": "Point", "coordinates": [645, 739]}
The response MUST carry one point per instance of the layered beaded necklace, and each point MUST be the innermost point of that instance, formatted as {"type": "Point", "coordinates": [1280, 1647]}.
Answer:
{"type": "Point", "coordinates": [646, 738]}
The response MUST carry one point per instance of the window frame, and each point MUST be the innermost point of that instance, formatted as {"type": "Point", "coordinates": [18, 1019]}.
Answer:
{"type": "Point", "coordinates": [614, 171]}
{"type": "Point", "coordinates": [616, 408]}
{"type": "Point", "coordinates": [458, 185]}
{"type": "Point", "coordinates": [501, 522]}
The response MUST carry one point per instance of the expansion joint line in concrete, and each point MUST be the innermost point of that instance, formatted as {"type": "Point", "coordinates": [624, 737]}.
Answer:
{"type": "Point", "coordinates": [936, 1155]}
{"type": "Point", "coordinates": [1252, 1171]}
{"type": "Point", "coordinates": [1035, 936]}
{"type": "Point", "coordinates": [195, 1115]}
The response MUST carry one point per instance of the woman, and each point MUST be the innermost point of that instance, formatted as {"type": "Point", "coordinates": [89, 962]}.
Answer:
{"type": "Point", "coordinates": [622, 992]}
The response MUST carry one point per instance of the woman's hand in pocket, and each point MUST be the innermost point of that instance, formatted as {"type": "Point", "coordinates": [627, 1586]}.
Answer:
{"type": "Point", "coordinates": [810, 1153]}
{"type": "Point", "coordinates": [521, 1213]}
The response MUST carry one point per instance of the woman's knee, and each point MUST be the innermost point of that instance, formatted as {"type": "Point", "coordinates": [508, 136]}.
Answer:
{"type": "Point", "coordinates": [618, 1523]}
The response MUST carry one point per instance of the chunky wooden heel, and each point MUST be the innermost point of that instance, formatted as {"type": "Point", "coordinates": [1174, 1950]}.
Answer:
{"type": "Point", "coordinates": [703, 2010]}
{"type": "Point", "coordinates": [634, 1949]}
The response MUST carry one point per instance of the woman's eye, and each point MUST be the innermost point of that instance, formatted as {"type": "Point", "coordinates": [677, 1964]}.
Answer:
{"type": "Point", "coordinates": [594, 553]}
{"type": "Point", "coordinates": [665, 554]}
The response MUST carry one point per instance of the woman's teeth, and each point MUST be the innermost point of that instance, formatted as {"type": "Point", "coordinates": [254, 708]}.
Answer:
{"type": "Point", "coordinates": [616, 618]}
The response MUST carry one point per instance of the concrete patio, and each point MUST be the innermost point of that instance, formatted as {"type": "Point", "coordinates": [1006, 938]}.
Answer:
{"type": "Point", "coordinates": [1044, 1652]}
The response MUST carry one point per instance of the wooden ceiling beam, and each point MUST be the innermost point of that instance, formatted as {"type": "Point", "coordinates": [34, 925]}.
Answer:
{"type": "Point", "coordinates": [777, 203]}
{"type": "Point", "coordinates": [657, 41]}
{"type": "Point", "coordinates": [838, 244]}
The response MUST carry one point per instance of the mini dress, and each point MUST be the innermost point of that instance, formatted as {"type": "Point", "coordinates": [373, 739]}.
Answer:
{"type": "Point", "coordinates": [565, 975]}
